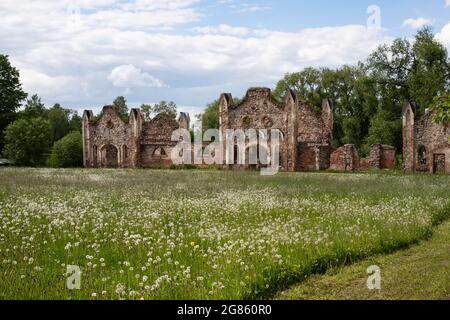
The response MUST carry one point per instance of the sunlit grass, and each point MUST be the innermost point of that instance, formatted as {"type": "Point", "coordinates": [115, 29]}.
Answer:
{"type": "Point", "coordinates": [199, 234]}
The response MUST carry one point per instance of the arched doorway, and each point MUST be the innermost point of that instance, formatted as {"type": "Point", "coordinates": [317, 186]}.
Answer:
{"type": "Point", "coordinates": [110, 156]}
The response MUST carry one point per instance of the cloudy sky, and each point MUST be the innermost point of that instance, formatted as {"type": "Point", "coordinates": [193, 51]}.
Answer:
{"type": "Point", "coordinates": [83, 53]}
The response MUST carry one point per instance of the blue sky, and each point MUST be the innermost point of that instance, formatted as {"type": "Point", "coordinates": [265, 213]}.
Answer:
{"type": "Point", "coordinates": [83, 53]}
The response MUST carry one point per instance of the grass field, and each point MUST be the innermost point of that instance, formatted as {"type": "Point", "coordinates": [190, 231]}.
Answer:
{"type": "Point", "coordinates": [421, 272]}
{"type": "Point", "coordinates": [200, 234]}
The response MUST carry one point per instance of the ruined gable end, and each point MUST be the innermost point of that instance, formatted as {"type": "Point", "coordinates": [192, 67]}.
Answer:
{"type": "Point", "coordinates": [305, 140]}
{"type": "Point", "coordinates": [327, 118]}
{"type": "Point", "coordinates": [426, 147]}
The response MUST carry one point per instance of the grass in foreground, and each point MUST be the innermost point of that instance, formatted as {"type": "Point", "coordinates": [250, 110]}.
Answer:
{"type": "Point", "coordinates": [200, 234]}
{"type": "Point", "coordinates": [421, 272]}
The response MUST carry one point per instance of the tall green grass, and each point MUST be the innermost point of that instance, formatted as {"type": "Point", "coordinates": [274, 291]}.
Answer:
{"type": "Point", "coordinates": [162, 234]}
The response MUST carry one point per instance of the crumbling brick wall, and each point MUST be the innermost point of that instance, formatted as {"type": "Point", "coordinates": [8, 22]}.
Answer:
{"type": "Point", "coordinates": [426, 145]}
{"type": "Point", "coordinates": [382, 156]}
{"type": "Point", "coordinates": [345, 158]}
{"type": "Point", "coordinates": [111, 141]}
{"type": "Point", "coordinates": [306, 134]}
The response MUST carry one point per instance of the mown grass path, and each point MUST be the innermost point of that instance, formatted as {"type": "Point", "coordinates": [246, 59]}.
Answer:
{"type": "Point", "coordinates": [421, 272]}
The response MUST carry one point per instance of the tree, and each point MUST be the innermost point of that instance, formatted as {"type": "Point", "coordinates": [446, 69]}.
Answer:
{"type": "Point", "coordinates": [67, 152]}
{"type": "Point", "coordinates": [352, 91]}
{"type": "Point", "coordinates": [210, 118]}
{"type": "Point", "coordinates": [27, 141]}
{"type": "Point", "coordinates": [441, 104]}
{"type": "Point", "coordinates": [75, 121]}
{"type": "Point", "coordinates": [59, 121]}
{"type": "Point", "coordinates": [169, 108]}
{"type": "Point", "coordinates": [120, 103]}
{"type": "Point", "coordinates": [383, 129]}
{"type": "Point", "coordinates": [147, 109]}
{"type": "Point", "coordinates": [34, 108]}
{"type": "Point", "coordinates": [405, 71]}
{"type": "Point", "coordinates": [11, 94]}
{"type": "Point", "coordinates": [307, 84]}
{"type": "Point", "coordinates": [431, 69]}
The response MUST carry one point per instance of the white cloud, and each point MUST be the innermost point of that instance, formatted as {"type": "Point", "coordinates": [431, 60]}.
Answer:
{"type": "Point", "coordinates": [447, 3]}
{"type": "Point", "coordinates": [85, 61]}
{"type": "Point", "coordinates": [128, 76]}
{"type": "Point", "coordinates": [223, 29]}
{"type": "Point", "coordinates": [243, 7]}
{"type": "Point", "coordinates": [417, 23]}
{"type": "Point", "coordinates": [444, 36]}
{"type": "Point", "coordinates": [246, 7]}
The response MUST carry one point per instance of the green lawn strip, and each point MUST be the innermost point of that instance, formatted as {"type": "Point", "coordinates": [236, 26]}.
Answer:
{"type": "Point", "coordinates": [420, 272]}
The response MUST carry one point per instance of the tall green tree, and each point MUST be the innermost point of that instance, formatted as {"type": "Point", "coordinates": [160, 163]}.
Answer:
{"type": "Point", "coordinates": [11, 94]}
{"type": "Point", "coordinates": [441, 104]}
{"type": "Point", "coordinates": [307, 84]}
{"type": "Point", "coordinates": [210, 117]}
{"type": "Point", "coordinates": [34, 108]}
{"type": "Point", "coordinates": [167, 107]}
{"type": "Point", "coordinates": [430, 74]}
{"type": "Point", "coordinates": [120, 103]}
{"type": "Point", "coordinates": [75, 121]}
{"type": "Point", "coordinates": [410, 71]}
{"type": "Point", "coordinates": [403, 71]}
{"type": "Point", "coordinates": [59, 119]}
{"type": "Point", "coordinates": [28, 141]}
{"type": "Point", "coordinates": [352, 91]}
{"type": "Point", "coordinates": [147, 109]}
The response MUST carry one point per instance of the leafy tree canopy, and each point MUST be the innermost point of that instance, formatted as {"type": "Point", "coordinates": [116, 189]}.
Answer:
{"type": "Point", "coordinates": [11, 94]}
{"type": "Point", "coordinates": [27, 141]}
{"type": "Point", "coordinates": [169, 108]}
{"type": "Point", "coordinates": [120, 103]}
{"type": "Point", "coordinates": [67, 152]}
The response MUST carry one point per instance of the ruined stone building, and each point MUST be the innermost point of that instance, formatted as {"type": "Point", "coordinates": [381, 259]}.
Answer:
{"type": "Point", "coordinates": [346, 158]}
{"type": "Point", "coordinates": [111, 142]}
{"type": "Point", "coordinates": [426, 147]}
{"type": "Point", "coordinates": [305, 134]}
{"type": "Point", "coordinates": [305, 143]}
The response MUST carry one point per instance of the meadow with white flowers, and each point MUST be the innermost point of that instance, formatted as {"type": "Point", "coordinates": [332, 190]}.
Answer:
{"type": "Point", "coordinates": [174, 234]}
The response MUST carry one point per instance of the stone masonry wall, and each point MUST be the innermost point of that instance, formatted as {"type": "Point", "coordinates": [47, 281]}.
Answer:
{"type": "Point", "coordinates": [110, 141]}
{"type": "Point", "coordinates": [306, 142]}
{"type": "Point", "coordinates": [426, 145]}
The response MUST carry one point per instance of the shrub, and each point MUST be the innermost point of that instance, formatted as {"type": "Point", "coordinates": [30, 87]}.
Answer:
{"type": "Point", "coordinates": [67, 152]}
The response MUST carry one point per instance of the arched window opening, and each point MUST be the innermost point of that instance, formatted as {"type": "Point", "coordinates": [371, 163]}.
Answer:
{"type": "Point", "coordinates": [422, 155]}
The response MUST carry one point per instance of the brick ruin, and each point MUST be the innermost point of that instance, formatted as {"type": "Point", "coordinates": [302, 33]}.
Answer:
{"type": "Point", "coordinates": [347, 158]}
{"type": "Point", "coordinates": [426, 145]}
{"type": "Point", "coordinates": [306, 133]}
{"type": "Point", "coordinates": [111, 142]}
